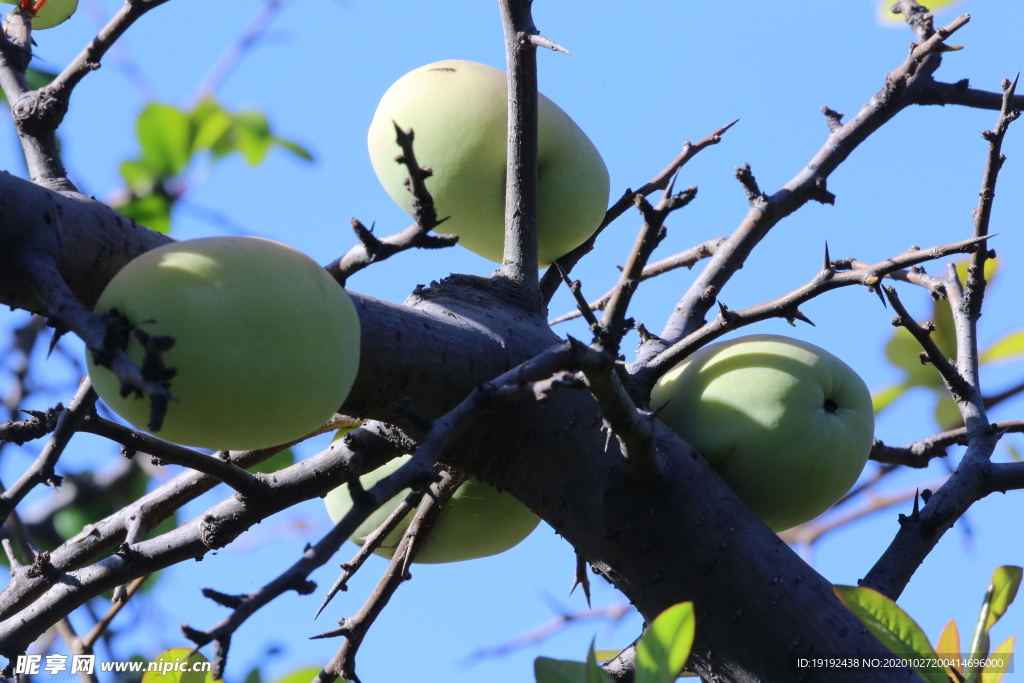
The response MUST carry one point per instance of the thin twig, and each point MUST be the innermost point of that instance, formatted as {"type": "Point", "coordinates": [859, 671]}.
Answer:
{"type": "Point", "coordinates": [355, 628]}
{"type": "Point", "coordinates": [920, 453]}
{"type": "Point", "coordinates": [550, 281]}
{"type": "Point", "coordinates": [42, 469]}
{"type": "Point", "coordinates": [684, 259]}
{"type": "Point", "coordinates": [613, 324]}
{"type": "Point", "coordinates": [164, 452]}
{"type": "Point", "coordinates": [372, 249]}
{"type": "Point", "coordinates": [787, 306]}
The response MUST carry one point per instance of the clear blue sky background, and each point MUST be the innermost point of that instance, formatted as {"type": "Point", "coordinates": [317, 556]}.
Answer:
{"type": "Point", "coordinates": [644, 78]}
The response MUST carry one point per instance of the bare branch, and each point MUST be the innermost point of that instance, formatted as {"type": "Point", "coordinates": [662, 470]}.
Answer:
{"type": "Point", "coordinates": [371, 249]}
{"type": "Point", "coordinates": [786, 306]}
{"type": "Point", "coordinates": [684, 259]}
{"type": "Point", "coordinates": [613, 324]}
{"type": "Point", "coordinates": [520, 256]}
{"type": "Point", "coordinates": [354, 629]}
{"type": "Point", "coordinates": [551, 280]}
{"type": "Point", "coordinates": [956, 382]}
{"type": "Point", "coordinates": [920, 453]}
{"type": "Point", "coordinates": [164, 452]}
{"type": "Point", "coordinates": [42, 470]}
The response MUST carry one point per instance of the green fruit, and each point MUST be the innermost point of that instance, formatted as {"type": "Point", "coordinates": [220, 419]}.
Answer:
{"type": "Point", "coordinates": [266, 343]}
{"type": "Point", "coordinates": [459, 113]}
{"type": "Point", "coordinates": [52, 13]}
{"type": "Point", "coordinates": [478, 521]}
{"type": "Point", "coordinates": [788, 425]}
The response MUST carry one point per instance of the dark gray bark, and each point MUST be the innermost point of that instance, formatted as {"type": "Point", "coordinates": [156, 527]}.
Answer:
{"type": "Point", "coordinates": [685, 537]}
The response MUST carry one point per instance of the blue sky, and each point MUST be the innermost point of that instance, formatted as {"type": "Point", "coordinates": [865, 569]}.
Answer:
{"type": "Point", "coordinates": [643, 80]}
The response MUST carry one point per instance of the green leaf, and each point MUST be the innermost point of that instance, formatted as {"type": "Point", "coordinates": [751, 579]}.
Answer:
{"type": "Point", "coordinates": [1002, 658]}
{"type": "Point", "coordinates": [883, 398]}
{"type": "Point", "coordinates": [1003, 589]}
{"type": "Point", "coordinates": [904, 352]}
{"type": "Point", "coordinates": [137, 177]}
{"type": "Point", "coordinates": [276, 462]}
{"type": "Point", "coordinates": [606, 655]}
{"type": "Point", "coordinates": [665, 647]}
{"type": "Point", "coordinates": [304, 675]}
{"type": "Point", "coordinates": [547, 670]}
{"type": "Point", "coordinates": [949, 643]}
{"type": "Point", "coordinates": [595, 674]}
{"type": "Point", "coordinates": [179, 656]}
{"type": "Point", "coordinates": [294, 147]}
{"type": "Point", "coordinates": [945, 329]}
{"type": "Point", "coordinates": [947, 414]}
{"type": "Point", "coordinates": [1008, 347]}
{"type": "Point", "coordinates": [53, 13]}
{"type": "Point", "coordinates": [165, 135]}
{"type": "Point", "coordinates": [153, 211]}
{"type": "Point", "coordinates": [1014, 453]}
{"type": "Point", "coordinates": [991, 268]}
{"type": "Point", "coordinates": [891, 626]}
{"type": "Point", "coordinates": [252, 135]}
{"type": "Point", "coordinates": [211, 126]}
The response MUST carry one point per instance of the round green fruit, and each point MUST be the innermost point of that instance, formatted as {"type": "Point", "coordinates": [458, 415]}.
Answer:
{"type": "Point", "coordinates": [52, 13]}
{"type": "Point", "coordinates": [266, 343]}
{"type": "Point", "coordinates": [478, 521]}
{"type": "Point", "coordinates": [459, 113]}
{"type": "Point", "coordinates": [788, 425]}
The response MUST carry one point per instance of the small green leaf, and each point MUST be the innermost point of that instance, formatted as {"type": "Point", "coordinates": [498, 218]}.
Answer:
{"type": "Point", "coordinates": [883, 398]}
{"type": "Point", "coordinates": [52, 13]}
{"type": "Point", "coordinates": [294, 147]}
{"type": "Point", "coordinates": [904, 352]}
{"type": "Point", "coordinates": [179, 658]}
{"type": "Point", "coordinates": [137, 177]}
{"type": "Point", "coordinates": [891, 626]}
{"type": "Point", "coordinates": [304, 675]}
{"type": "Point", "coordinates": [665, 647]}
{"type": "Point", "coordinates": [1003, 589]}
{"type": "Point", "coordinates": [991, 268]}
{"type": "Point", "coordinates": [1001, 659]}
{"type": "Point", "coordinates": [947, 414]}
{"type": "Point", "coordinates": [165, 135]}
{"type": "Point", "coordinates": [276, 462]}
{"type": "Point", "coordinates": [595, 674]}
{"type": "Point", "coordinates": [606, 655]}
{"type": "Point", "coordinates": [547, 670]}
{"type": "Point", "coordinates": [252, 135]}
{"type": "Point", "coordinates": [211, 126]}
{"type": "Point", "coordinates": [1008, 347]}
{"type": "Point", "coordinates": [949, 643]}
{"type": "Point", "coordinates": [153, 211]}
{"type": "Point", "coordinates": [1014, 453]}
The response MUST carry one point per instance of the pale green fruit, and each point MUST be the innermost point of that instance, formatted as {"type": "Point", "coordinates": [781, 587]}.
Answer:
{"type": "Point", "coordinates": [459, 113]}
{"type": "Point", "coordinates": [788, 425]}
{"type": "Point", "coordinates": [51, 14]}
{"type": "Point", "coordinates": [478, 521]}
{"type": "Point", "coordinates": [266, 342]}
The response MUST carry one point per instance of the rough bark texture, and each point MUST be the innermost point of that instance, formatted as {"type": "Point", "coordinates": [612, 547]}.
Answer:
{"type": "Point", "coordinates": [685, 538]}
